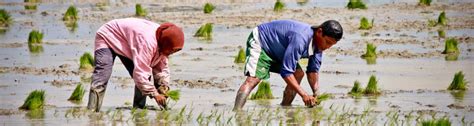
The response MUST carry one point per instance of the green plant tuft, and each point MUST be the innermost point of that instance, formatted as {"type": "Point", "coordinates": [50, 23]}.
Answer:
{"type": "Point", "coordinates": [35, 37]}
{"type": "Point", "coordinates": [204, 31]}
{"type": "Point", "coordinates": [441, 33]}
{"type": "Point", "coordinates": [5, 18]}
{"type": "Point", "coordinates": [371, 88]}
{"type": "Point", "coordinates": [356, 4]}
{"type": "Point", "coordinates": [451, 46]}
{"type": "Point", "coordinates": [323, 97]}
{"type": "Point", "coordinates": [71, 14]}
{"type": "Point", "coordinates": [424, 2]}
{"type": "Point", "coordinates": [263, 92]}
{"type": "Point", "coordinates": [31, 4]}
{"type": "Point", "coordinates": [208, 8]}
{"type": "Point", "coordinates": [34, 101]}
{"type": "Point", "coordinates": [458, 83]}
{"type": "Point", "coordinates": [78, 93]}
{"type": "Point", "coordinates": [436, 122]}
{"type": "Point", "coordinates": [173, 95]}
{"type": "Point", "coordinates": [139, 10]}
{"type": "Point", "coordinates": [370, 51]}
{"type": "Point", "coordinates": [240, 58]}
{"type": "Point", "coordinates": [356, 89]}
{"type": "Point", "coordinates": [365, 24]}
{"type": "Point", "coordinates": [279, 6]}
{"type": "Point", "coordinates": [86, 61]}
{"type": "Point", "coordinates": [442, 19]}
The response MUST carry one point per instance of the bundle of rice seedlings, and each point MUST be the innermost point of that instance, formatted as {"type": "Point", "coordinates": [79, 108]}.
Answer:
{"type": "Point", "coordinates": [5, 18]}
{"type": "Point", "coordinates": [31, 4]}
{"type": "Point", "coordinates": [442, 19]}
{"type": "Point", "coordinates": [436, 122]}
{"type": "Point", "coordinates": [424, 2]}
{"type": "Point", "coordinates": [365, 24]}
{"type": "Point", "coordinates": [240, 58]}
{"type": "Point", "coordinates": [356, 4]}
{"type": "Point", "coordinates": [71, 14]}
{"type": "Point", "coordinates": [279, 6]}
{"type": "Point", "coordinates": [458, 83]}
{"type": "Point", "coordinates": [35, 37]}
{"type": "Point", "coordinates": [173, 95]}
{"type": "Point", "coordinates": [370, 51]}
{"type": "Point", "coordinates": [86, 61]}
{"type": "Point", "coordinates": [208, 8]}
{"type": "Point", "coordinates": [35, 48]}
{"type": "Point", "coordinates": [205, 31]}
{"type": "Point", "coordinates": [451, 46]}
{"type": "Point", "coordinates": [35, 100]}
{"type": "Point", "coordinates": [371, 88]}
{"type": "Point", "coordinates": [301, 2]}
{"type": "Point", "coordinates": [323, 97]}
{"type": "Point", "coordinates": [263, 92]}
{"type": "Point", "coordinates": [441, 33]}
{"type": "Point", "coordinates": [77, 94]}
{"type": "Point", "coordinates": [356, 89]}
{"type": "Point", "coordinates": [139, 11]}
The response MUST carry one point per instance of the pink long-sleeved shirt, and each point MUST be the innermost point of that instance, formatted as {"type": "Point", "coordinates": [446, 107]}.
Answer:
{"type": "Point", "coordinates": [135, 39]}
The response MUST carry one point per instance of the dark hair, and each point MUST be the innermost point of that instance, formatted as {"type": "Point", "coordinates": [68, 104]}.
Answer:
{"type": "Point", "coordinates": [331, 28]}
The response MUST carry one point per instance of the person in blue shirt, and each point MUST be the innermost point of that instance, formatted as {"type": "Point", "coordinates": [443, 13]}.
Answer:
{"type": "Point", "coordinates": [277, 46]}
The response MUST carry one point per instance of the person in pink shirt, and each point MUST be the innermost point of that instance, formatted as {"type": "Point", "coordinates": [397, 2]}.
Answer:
{"type": "Point", "coordinates": [143, 47]}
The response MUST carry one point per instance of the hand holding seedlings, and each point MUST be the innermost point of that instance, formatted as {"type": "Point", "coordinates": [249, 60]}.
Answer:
{"type": "Point", "coordinates": [160, 100]}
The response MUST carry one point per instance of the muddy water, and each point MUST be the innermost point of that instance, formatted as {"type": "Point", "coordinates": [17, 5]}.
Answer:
{"type": "Point", "coordinates": [207, 77]}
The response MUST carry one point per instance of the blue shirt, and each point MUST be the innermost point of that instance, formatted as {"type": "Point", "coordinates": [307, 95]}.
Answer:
{"type": "Point", "coordinates": [286, 41]}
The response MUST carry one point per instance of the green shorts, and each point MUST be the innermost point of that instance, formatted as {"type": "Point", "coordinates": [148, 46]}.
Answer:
{"type": "Point", "coordinates": [258, 63]}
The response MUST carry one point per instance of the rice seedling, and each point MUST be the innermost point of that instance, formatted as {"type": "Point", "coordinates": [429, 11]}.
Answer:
{"type": "Point", "coordinates": [441, 33]}
{"type": "Point", "coordinates": [35, 100]}
{"type": "Point", "coordinates": [356, 89]}
{"type": "Point", "coordinates": [35, 114]}
{"type": "Point", "coordinates": [35, 37]}
{"type": "Point", "coordinates": [208, 8]}
{"type": "Point", "coordinates": [322, 97]}
{"type": "Point", "coordinates": [31, 4]}
{"type": "Point", "coordinates": [77, 94]}
{"type": "Point", "coordinates": [71, 25]}
{"type": "Point", "coordinates": [451, 46]}
{"type": "Point", "coordinates": [71, 14]}
{"type": "Point", "coordinates": [139, 10]}
{"type": "Point", "coordinates": [173, 95]}
{"type": "Point", "coordinates": [35, 48]}
{"type": "Point", "coordinates": [302, 2]}
{"type": "Point", "coordinates": [442, 19]}
{"type": "Point", "coordinates": [356, 4]}
{"type": "Point", "coordinates": [372, 88]}
{"type": "Point", "coordinates": [240, 58]}
{"type": "Point", "coordinates": [86, 61]}
{"type": "Point", "coordinates": [451, 57]}
{"type": "Point", "coordinates": [365, 24]}
{"type": "Point", "coordinates": [458, 83]}
{"type": "Point", "coordinates": [436, 122]}
{"type": "Point", "coordinates": [432, 23]}
{"type": "Point", "coordinates": [205, 31]}
{"type": "Point", "coordinates": [370, 51]}
{"type": "Point", "coordinates": [263, 92]}
{"type": "Point", "coordinates": [279, 6]}
{"type": "Point", "coordinates": [424, 2]}
{"type": "Point", "coordinates": [5, 18]}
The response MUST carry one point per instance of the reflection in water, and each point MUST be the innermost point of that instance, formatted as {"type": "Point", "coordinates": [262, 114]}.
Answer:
{"type": "Point", "coordinates": [35, 48]}
{"type": "Point", "coordinates": [371, 60]}
{"type": "Point", "coordinates": [451, 57]}
{"type": "Point", "coordinates": [458, 95]}
{"type": "Point", "coordinates": [71, 25]}
{"type": "Point", "coordinates": [35, 114]}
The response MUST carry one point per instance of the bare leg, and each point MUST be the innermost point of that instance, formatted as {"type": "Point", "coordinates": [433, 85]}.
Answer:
{"type": "Point", "coordinates": [244, 92]}
{"type": "Point", "coordinates": [289, 94]}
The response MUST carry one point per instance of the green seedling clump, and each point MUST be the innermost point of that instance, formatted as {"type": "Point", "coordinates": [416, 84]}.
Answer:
{"type": "Point", "coordinates": [173, 95]}
{"type": "Point", "coordinates": [279, 6]}
{"type": "Point", "coordinates": [35, 37]}
{"type": "Point", "coordinates": [139, 11]}
{"type": "Point", "coordinates": [436, 122]}
{"type": "Point", "coordinates": [204, 31]}
{"type": "Point", "coordinates": [5, 18]}
{"type": "Point", "coordinates": [31, 4]}
{"type": "Point", "coordinates": [451, 46]}
{"type": "Point", "coordinates": [442, 19]}
{"type": "Point", "coordinates": [365, 24]}
{"type": "Point", "coordinates": [78, 93]}
{"type": "Point", "coordinates": [263, 91]}
{"type": "Point", "coordinates": [240, 58]}
{"type": "Point", "coordinates": [356, 89]}
{"type": "Point", "coordinates": [71, 14]}
{"type": "Point", "coordinates": [425, 2]}
{"type": "Point", "coordinates": [441, 33]}
{"type": "Point", "coordinates": [35, 100]}
{"type": "Point", "coordinates": [458, 83]}
{"type": "Point", "coordinates": [86, 61]}
{"type": "Point", "coordinates": [371, 88]}
{"type": "Point", "coordinates": [370, 51]}
{"type": "Point", "coordinates": [322, 97]}
{"type": "Point", "coordinates": [356, 4]}
{"type": "Point", "coordinates": [208, 8]}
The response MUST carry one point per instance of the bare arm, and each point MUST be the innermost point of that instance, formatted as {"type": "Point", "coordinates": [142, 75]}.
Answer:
{"type": "Point", "coordinates": [313, 80]}
{"type": "Point", "coordinates": [291, 81]}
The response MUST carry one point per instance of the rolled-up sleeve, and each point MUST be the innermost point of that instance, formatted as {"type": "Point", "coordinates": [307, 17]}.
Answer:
{"type": "Point", "coordinates": [161, 72]}
{"type": "Point", "coordinates": [314, 62]}
{"type": "Point", "coordinates": [292, 54]}
{"type": "Point", "coordinates": [141, 57]}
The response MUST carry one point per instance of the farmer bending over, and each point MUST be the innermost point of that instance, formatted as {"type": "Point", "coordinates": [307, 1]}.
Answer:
{"type": "Point", "coordinates": [143, 47]}
{"type": "Point", "coordinates": [277, 46]}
